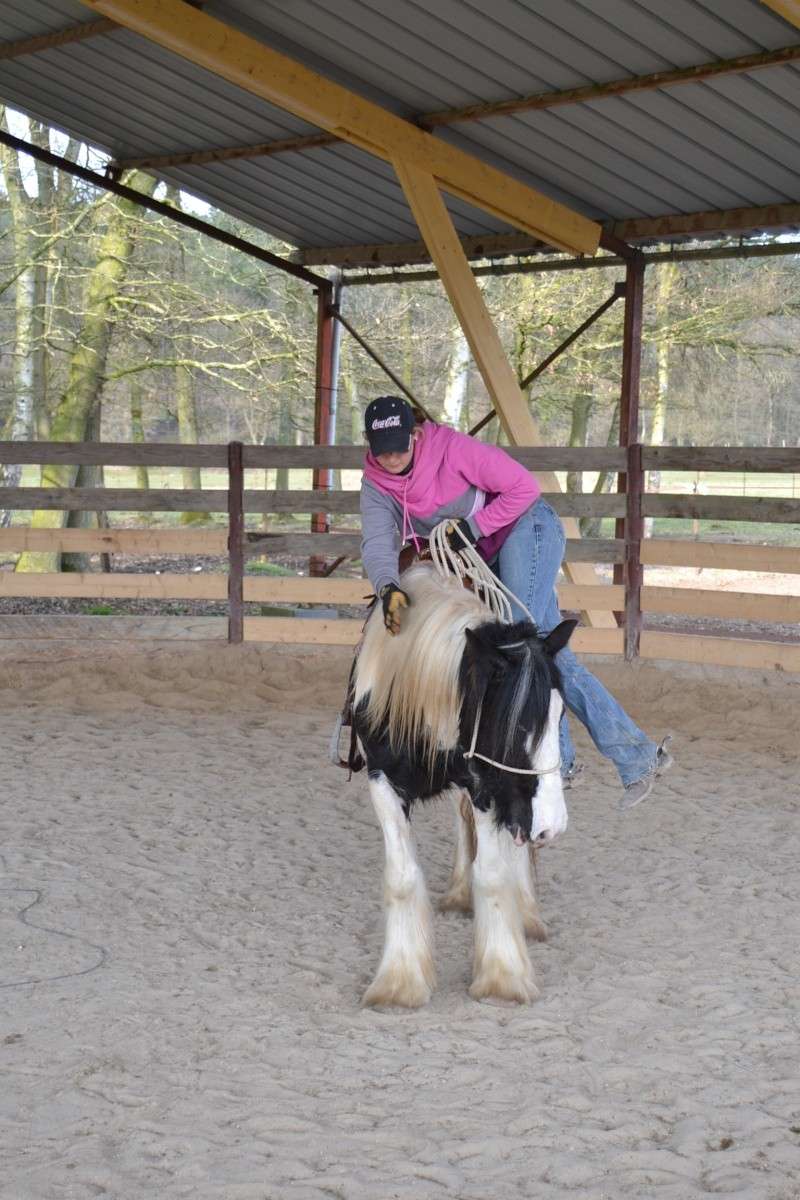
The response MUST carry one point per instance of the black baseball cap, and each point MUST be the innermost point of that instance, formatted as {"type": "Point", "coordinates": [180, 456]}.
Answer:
{"type": "Point", "coordinates": [388, 424]}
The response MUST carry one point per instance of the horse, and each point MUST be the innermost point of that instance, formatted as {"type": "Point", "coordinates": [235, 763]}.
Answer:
{"type": "Point", "coordinates": [460, 704]}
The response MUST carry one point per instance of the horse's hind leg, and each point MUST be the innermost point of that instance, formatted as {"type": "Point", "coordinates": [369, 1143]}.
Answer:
{"type": "Point", "coordinates": [458, 897]}
{"type": "Point", "coordinates": [406, 973]}
{"type": "Point", "coordinates": [502, 966]}
{"type": "Point", "coordinates": [526, 895]}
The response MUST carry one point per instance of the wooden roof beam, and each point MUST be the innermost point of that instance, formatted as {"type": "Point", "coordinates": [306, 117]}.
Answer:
{"type": "Point", "coordinates": [498, 108]}
{"type": "Point", "coordinates": [196, 158]}
{"type": "Point", "coordinates": [60, 37]}
{"type": "Point", "coordinates": [617, 87]}
{"type": "Point", "coordinates": [262, 71]}
{"type": "Point", "coordinates": [404, 254]}
{"type": "Point", "coordinates": [705, 224]}
{"type": "Point", "coordinates": [776, 217]}
{"type": "Point", "coordinates": [64, 37]}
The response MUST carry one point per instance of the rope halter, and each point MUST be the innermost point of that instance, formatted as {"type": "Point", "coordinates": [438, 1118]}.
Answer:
{"type": "Point", "coordinates": [473, 753]}
{"type": "Point", "coordinates": [466, 563]}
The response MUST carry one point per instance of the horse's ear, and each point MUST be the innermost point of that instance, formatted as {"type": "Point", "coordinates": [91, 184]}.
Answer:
{"type": "Point", "coordinates": [557, 638]}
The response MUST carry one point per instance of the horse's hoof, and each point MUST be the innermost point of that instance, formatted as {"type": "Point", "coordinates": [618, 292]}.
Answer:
{"type": "Point", "coordinates": [394, 991]}
{"type": "Point", "coordinates": [497, 985]}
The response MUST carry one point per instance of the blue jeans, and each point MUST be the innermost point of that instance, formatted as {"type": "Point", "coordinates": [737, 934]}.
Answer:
{"type": "Point", "coordinates": [528, 564]}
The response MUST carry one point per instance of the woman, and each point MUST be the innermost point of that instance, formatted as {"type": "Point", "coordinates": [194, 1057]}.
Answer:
{"type": "Point", "coordinates": [418, 475]}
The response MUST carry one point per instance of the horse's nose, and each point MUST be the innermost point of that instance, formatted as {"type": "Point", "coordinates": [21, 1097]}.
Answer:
{"type": "Point", "coordinates": [543, 836]}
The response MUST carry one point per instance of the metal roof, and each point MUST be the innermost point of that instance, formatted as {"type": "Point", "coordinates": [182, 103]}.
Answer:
{"type": "Point", "coordinates": [723, 143]}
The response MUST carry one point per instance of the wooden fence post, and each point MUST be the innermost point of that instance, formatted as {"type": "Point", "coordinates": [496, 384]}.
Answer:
{"type": "Point", "coordinates": [634, 531]}
{"type": "Point", "coordinates": [235, 543]}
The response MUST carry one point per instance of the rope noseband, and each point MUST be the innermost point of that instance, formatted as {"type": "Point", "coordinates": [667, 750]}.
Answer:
{"type": "Point", "coordinates": [473, 753]}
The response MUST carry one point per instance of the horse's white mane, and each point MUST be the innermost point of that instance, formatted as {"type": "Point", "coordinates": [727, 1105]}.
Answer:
{"type": "Point", "coordinates": [412, 679]}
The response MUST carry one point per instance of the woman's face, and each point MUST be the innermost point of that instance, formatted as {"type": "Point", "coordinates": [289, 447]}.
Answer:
{"type": "Point", "coordinates": [397, 460]}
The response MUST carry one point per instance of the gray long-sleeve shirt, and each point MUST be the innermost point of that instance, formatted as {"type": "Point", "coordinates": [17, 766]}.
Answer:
{"type": "Point", "coordinates": [382, 523]}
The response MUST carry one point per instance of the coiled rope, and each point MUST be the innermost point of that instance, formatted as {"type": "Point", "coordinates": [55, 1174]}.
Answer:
{"type": "Point", "coordinates": [466, 563]}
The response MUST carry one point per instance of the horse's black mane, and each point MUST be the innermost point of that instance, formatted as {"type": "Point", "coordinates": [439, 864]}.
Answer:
{"type": "Point", "coordinates": [506, 672]}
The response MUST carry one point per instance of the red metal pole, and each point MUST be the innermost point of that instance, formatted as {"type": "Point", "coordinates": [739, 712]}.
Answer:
{"type": "Point", "coordinates": [323, 433]}
{"type": "Point", "coordinates": [631, 367]}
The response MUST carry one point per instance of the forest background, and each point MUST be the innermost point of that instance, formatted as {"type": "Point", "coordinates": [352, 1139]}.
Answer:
{"type": "Point", "coordinates": [117, 324]}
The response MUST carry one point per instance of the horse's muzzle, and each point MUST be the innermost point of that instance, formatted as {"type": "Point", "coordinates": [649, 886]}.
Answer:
{"type": "Point", "coordinates": [519, 835]}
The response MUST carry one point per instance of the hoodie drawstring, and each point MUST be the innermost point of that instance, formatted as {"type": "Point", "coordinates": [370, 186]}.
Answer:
{"type": "Point", "coordinates": [407, 526]}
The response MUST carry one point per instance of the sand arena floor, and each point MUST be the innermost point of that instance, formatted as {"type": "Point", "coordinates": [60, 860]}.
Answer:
{"type": "Point", "coordinates": [190, 907]}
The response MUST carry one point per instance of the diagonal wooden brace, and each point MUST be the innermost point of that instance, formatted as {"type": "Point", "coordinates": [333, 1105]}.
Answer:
{"type": "Point", "coordinates": [445, 249]}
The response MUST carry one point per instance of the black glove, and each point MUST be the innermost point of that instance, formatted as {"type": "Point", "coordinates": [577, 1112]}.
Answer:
{"type": "Point", "coordinates": [459, 531]}
{"type": "Point", "coordinates": [394, 600]}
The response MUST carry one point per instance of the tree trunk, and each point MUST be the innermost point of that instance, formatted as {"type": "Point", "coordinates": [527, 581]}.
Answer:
{"type": "Point", "coordinates": [409, 349]}
{"type": "Point", "coordinates": [285, 437]}
{"type": "Point", "coordinates": [141, 474]}
{"type": "Point", "coordinates": [44, 269]}
{"type": "Point", "coordinates": [187, 432]}
{"type": "Point", "coordinates": [591, 526]}
{"type": "Point", "coordinates": [666, 279]}
{"type": "Point", "coordinates": [578, 433]}
{"type": "Point", "coordinates": [89, 475]}
{"type": "Point", "coordinates": [87, 364]}
{"type": "Point", "coordinates": [20, 425]}
{"type": "Point", "coordinates": [455, 393]}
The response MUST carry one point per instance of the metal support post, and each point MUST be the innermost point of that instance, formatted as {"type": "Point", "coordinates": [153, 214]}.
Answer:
{"type": "Point", "coordinates": [631, 367]}
{"type": "Point", "coordinates": [235, 543]}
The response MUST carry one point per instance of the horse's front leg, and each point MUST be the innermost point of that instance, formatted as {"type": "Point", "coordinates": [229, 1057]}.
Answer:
{"type": "Point", "coordinates": [406, 972]}
{"type": "Point", "coordinates": [502, 966]}
{"type": "Point", "coordinates": [526, 896]}
{"type": "Point", "coordinates": [458, 897]}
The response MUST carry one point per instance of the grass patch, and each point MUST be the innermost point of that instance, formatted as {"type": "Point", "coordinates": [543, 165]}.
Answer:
{"type": "Point", "coordinates": [267, 568]}
{"type": "Point", "coordinates": [753, 532]}
{"type": "Point", "coordinates": [99, 610]}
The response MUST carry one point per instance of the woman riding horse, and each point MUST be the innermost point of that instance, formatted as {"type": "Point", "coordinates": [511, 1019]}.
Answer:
{"type": "Point", "coordinates": [416, 475]}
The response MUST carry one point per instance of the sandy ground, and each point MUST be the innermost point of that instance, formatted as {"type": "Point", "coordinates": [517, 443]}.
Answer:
{"type": "Point", "coordinates": [191, 907]}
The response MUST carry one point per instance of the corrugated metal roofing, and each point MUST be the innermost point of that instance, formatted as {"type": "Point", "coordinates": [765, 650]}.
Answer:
{"type": "Point", "coordinates": [725, 143]}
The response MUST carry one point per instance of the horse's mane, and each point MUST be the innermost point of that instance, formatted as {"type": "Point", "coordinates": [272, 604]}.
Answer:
{"type": "Point", "coordinates": [411, 682]}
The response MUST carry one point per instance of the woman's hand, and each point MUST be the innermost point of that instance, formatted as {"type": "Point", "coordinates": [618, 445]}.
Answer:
{"type": "Point", "coordinates": [458, 533]}
{"type": "Point", "coordinates": [394, 600]}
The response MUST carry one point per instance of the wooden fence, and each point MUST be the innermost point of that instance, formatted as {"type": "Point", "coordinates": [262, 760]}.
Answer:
{"type": "Point", "coordinates": [630, 551]}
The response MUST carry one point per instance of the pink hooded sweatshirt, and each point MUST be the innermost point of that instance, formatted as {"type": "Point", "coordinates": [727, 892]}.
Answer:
{"type": "Point", "coordinates": [446, 464]}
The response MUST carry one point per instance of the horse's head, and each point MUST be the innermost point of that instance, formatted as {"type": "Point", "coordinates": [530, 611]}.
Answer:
{"type": "Point", "coordinates": [511, 707]}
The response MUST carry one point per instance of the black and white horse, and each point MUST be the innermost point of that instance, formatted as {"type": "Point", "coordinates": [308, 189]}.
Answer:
{"type": "Point", "coordinates": [461, 704]}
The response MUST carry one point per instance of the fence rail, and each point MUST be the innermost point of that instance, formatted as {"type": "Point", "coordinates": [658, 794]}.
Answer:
{"type": "Point", "coordinates": [629, 599]}
{"type": "Point", "coordinates": [551, 458]}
